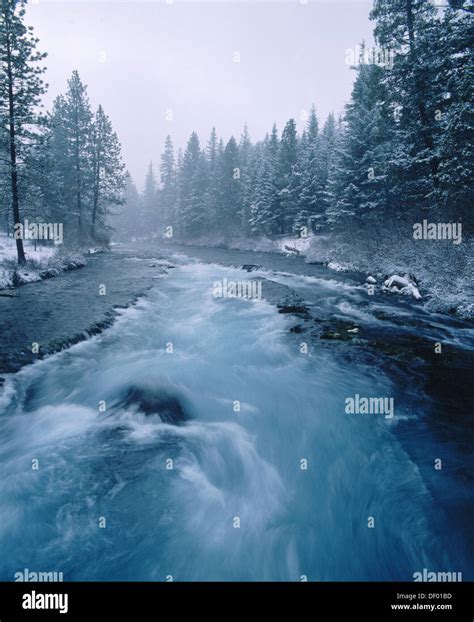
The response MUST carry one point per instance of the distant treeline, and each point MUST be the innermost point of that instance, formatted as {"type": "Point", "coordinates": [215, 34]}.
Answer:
{"type": "Point", "coordinates": [400, 153]}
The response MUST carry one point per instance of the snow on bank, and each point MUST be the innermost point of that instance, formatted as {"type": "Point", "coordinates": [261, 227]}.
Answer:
{"type": "Point", "coordinates": [399, 282]}
{"type": "Point", "coordinates": [41, 263]}
{"type": "Point", "coordinates": [8, 251]}
{"type": "Point", "coordinates": [445, 272]}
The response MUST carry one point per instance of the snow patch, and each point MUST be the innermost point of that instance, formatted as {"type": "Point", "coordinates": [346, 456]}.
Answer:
{"type": "Point", "coordinates": [8, 250]}
{"type": "Point", "coordinates": [41, 263]}
{"type": "Point", "coordinates": [338, 267]}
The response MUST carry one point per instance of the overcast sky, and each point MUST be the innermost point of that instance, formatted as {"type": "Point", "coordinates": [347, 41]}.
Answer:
{"type": "Point", "coordinates": [144, 60]}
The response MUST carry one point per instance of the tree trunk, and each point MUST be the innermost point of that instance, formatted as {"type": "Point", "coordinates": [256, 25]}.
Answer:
{"type": "Point", "coordinates": [13, 156]}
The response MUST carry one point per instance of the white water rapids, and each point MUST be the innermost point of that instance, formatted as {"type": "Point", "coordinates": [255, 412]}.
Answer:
{"type": "Point", "coordinates": [226, 465]}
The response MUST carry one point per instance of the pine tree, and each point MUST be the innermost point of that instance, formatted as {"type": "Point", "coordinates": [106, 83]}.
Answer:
{"type": "Point", "coordinates": [77, 117]}
{"type": "Point", "coordinates": [272, 152]}
{"type": "Point", "coordinates": [245, 158]}
{"type": "Point", "coordinates": [287, 180]}
{"type": "Point", "coordinates": [323, 164]}
{"type": "Point", "coordinates": [150, 216]}
{"type": "Point", "coordinates": [60, 189]}
{"type": "Point", "coordinates": [41, 185]}
{"type": "Point", "coordinates": [230, 208]}
{"type": "Point", "coordinates": [404, 27]}
{"type": "Point", "coordinates": [211, 200]}
{"type": "Point", "coordinates": [177, 224]}
{"type": "Point", "coordinates": [360, 173]}
{"type": "Point", "coordinates": [21, 87]}
{"type": "Point", "coordinates": [453, 66]}
{"type": "Point", "coordinates": [108, 172]}
{"type": "Point", "coordinates": [263, 191]}
{"type": "Point", "coordinates": [127, 222]}
{"type": "Point", "coordinates": [193, 178]}
{"type": "Point", "coordinates": [308, 170]}
{"type": "Point", "coordinates": [168, 190]}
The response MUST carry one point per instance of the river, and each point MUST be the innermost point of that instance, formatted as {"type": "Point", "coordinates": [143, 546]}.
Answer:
{"type": "Point", "coordinates": [206, 438]}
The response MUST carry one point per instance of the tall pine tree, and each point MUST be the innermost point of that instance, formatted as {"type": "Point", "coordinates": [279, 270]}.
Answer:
{"type": "Point", "coordinates": [108, 173]}
{"type": "Point", "coordinates": [21, 87]}
{"type": "Point", "coordinates": [168, 190]}
{"type": "Point", "coordinates": [78, 134]}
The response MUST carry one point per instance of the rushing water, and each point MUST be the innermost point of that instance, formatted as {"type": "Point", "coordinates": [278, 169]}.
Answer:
{"type": "Point", "coordinates": [208, 491]}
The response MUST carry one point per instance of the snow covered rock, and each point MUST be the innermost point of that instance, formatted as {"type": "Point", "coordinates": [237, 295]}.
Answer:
{"type": "Point", "coordinates": [21, 277]}
{"type": "Point", "coordinates": [337, 267]}
{"type": "Point", "coordinates": [402, 285]}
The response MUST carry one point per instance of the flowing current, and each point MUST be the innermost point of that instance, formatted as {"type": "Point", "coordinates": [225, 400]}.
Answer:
{"type": "Point", "coordinates": [193, 440]}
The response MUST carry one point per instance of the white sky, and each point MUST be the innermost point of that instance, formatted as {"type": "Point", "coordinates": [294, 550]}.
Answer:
{"type": "Point", "coordinates": [141, 58]}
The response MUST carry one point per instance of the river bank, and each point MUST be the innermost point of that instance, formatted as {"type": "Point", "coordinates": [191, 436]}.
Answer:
{"type": "Point", "coordinates": [59, 312]}
{"type": "Point", "coordinates": [42, 262]}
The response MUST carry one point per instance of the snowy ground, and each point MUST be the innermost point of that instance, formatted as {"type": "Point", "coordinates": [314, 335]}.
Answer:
{"type": "Point", "coordinates": [44, 262]}
{"type": "Point", "coordinates": [438, 274]}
